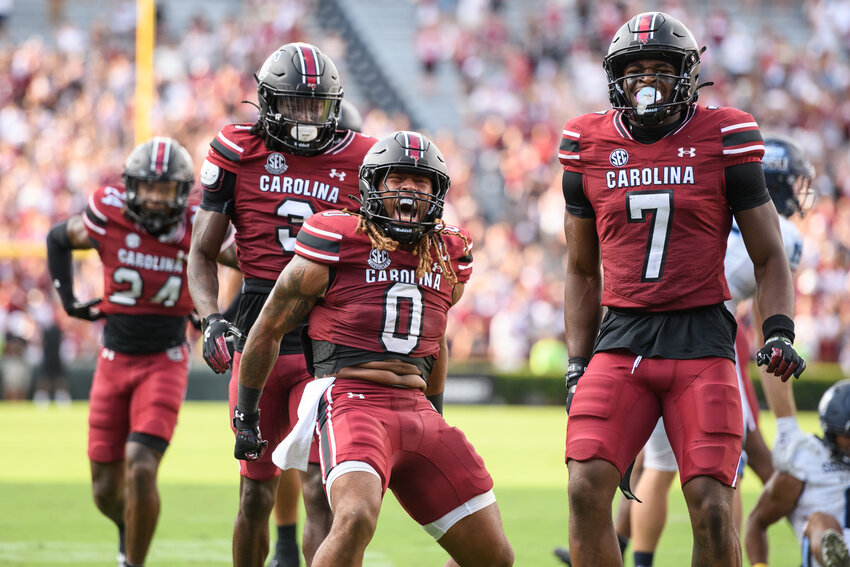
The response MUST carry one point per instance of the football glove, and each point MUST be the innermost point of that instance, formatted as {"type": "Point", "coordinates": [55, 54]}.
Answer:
{"type": "Point", "coordinates": [575, 369]}
{"type": "Point", "coordinates": [250, 445]}
{"type": "Point", "coordinates": [781, 358]}
{"type": "Point", "coordinates": [218, 342]}
{"type": "Point", "coordinates": [84, 309]}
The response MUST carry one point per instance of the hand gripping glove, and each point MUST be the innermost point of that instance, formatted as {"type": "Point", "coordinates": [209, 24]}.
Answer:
{"type": "Point", "coordinates": [250, 446]}
{"type": "Point", "coordinates": [781, 358]}
{"type": "Point", "coordinates": [84, 309]}
{"type": "Point", "coordinates": [218, 350]}
{"type": "Point", "coordinates": [575, 369]}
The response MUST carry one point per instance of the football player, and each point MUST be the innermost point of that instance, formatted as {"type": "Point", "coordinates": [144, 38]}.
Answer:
{"type": "Point", "coordinates": [141, 232]}
{"type": "Point", "coordinates": [788, 176]}
{"type": "Point", "coordinates": [267, 177]}
{"type": "Point", "coordinates": [810, 487]}
{"type": "Point", "coordinates": [377, 286]}
{"type": "Point", "coordinates": [651, 189]}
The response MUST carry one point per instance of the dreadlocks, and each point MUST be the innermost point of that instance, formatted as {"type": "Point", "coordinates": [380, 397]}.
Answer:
{"type": "Point", "coordinates": [422, 250]}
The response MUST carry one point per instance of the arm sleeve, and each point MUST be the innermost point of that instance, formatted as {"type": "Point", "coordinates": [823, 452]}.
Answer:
{"type": "Point", "coordinates": [219, 187]}
{"type": "Point", "coordinates": [745, 187]}
{"type": "Point", "coordinates": [60, 262]}
{"type": "Point", "coordinates": [578, 204]}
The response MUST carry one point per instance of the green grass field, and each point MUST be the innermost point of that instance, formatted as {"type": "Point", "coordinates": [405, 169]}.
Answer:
{"type": "Point", "coordinates": [47, 516]}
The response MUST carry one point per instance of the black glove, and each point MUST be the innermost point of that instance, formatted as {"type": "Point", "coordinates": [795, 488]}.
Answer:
{"type": "Point", "coordinates": [575, 369]}
{"type": "Point", "coordinates": [781, 358]}
{"type": "Point", "coordinates": [250, 446]}
{"type": "Point", "coordinates": [84, 310]}
{"type": "Point", "coordinates": [218, 350]}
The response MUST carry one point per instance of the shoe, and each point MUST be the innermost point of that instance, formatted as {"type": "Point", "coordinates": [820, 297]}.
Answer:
{"type": "Point", "coordinates": [564, 555]}
{"type": "Point", "coordinates": [833, 549]}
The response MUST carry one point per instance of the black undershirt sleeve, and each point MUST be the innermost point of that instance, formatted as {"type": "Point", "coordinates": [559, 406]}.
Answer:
{"type": "Point", "coordinates": [220, 200]}
{"type": "Point", "coordinates": [577, 203]}
{"type": "Point", "coordinates": [745, 187]}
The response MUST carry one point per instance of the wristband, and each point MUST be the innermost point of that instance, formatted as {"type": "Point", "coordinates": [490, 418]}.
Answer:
{"type": "Point", "coordinates": [248, 399]}
{"type": "Point", "coordinates": [778, 324]}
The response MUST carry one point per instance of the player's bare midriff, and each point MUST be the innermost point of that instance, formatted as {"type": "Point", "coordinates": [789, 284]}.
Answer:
{"type": "Point", "coordinates": [387, 372]}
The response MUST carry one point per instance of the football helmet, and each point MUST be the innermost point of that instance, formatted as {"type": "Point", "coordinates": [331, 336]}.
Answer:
{"type": "Point", "coordinates": [349, 117]}
{"type": "Point", "coordinates": [834, 413]}
{"type": "Point", "coordinates": [407, 152]}
{"type": "Point", "coordinates": [159, 160]}
{"type": "Point", "coordinates": [653, 35]}
{"type": "Point", "coordinates": [299, 96]}
{"type": "Point", "coordinates": [788, 175]}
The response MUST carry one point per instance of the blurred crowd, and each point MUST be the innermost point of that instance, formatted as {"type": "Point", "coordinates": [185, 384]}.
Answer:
{"type": "Point", "coordinates": [66, 125]}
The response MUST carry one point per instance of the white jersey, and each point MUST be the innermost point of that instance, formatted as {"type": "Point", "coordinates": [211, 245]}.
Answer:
{"type": "Point", "coordinates": [739, 267]}
{"type": "Point", "coordinates": [826, 481]}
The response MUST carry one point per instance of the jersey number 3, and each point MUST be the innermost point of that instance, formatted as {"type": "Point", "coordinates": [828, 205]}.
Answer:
{"type": "Point", "coordinates": [660, 204]}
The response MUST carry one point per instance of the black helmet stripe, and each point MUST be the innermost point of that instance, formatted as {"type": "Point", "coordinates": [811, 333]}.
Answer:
{"type": "Point", "coordinates": [309, 64]}
{"type": "Point", "coordinates": [644, 26]}
{"type": "Point", "coordinates": [160, 154]}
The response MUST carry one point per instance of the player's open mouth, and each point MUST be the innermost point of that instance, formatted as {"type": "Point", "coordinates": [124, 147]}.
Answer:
{"type": "Point", "coordinates": [406, 209]}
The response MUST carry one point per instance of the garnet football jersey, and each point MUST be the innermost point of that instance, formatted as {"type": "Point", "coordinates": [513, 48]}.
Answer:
{"type": "Point", "coordinates": [661, 209]}
{"type": "Point", "coordinates": [275, 192]}
{"type": "Point", "coordinates": [375, 302]}
{"type": "Point", "coordinates": [142, 274]}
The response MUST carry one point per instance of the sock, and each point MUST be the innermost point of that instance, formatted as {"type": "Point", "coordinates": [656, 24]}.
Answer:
{"type": "Point", "coordinates": [286, 549]}
{"type": "Point", "coordinates": [624, 543]}
{"type": "Point", "coordinates": [643, 558]}
{"type": "Point", "coordinates": [122, 545]}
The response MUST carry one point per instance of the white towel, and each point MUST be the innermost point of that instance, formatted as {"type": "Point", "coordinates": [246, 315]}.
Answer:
{"type": "Point", "coordinates": [294, 451]}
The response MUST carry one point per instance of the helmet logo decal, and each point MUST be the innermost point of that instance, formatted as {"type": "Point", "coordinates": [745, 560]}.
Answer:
{"type": "Point", "coordinates": [413, 146]}
{"type": "Point", "coordinates": [690, 152]}
{"type": "Point", "coordinates": [645, 26]}
{"type": "Point", "coordinates": [160, 153]}
{"type": "Point", "coordinates": [309, 65]}
{"type": "Point", "coordinates": [276, 163]}
{"type": "Point", "coordinates": [619, 157]}
{"type": "Point", "coordinates": [378, 259]}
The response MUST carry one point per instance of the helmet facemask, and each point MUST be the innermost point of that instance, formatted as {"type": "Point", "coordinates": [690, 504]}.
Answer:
{"type": "Point", "coordinates": [156, 220]}
{"type": "Point", "coordinates": [662, 95]}
{"type": "Point", "coordinates": [405, 213]}
{"type": "Point", "coordinates": [302, 125]}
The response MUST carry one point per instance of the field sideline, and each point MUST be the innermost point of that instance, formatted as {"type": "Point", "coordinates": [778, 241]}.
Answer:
{"type": "Point", "coordinates": [48, 517]}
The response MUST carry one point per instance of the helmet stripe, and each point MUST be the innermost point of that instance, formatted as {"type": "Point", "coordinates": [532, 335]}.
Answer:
{"type": "Point", "coordinates": [645, 26]}
{"type": "Point", "coordinates": [309, 65]}
{"type": "Point", "coordinates": [414, 145]}
{"type": "Point", "coordinates": [159, 155]}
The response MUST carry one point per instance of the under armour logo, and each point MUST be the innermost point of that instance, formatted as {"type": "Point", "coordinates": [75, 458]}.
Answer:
{"type": "Point", "coordinates": [690, 152]}
{"type": "Point", "coordinates": [335, 173]}
{"type": "Point", "coordinates": [352, 395]}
